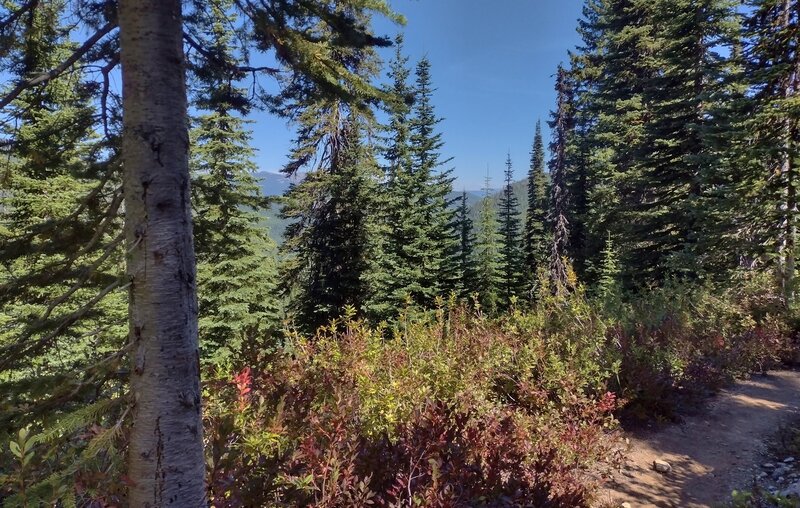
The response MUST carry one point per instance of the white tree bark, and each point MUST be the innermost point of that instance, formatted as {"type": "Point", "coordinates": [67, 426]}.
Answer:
{"type": "Point", "coordinates": [165, 463]}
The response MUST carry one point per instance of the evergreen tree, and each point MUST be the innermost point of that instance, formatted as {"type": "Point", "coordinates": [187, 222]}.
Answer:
{"type": "Point", "coordinates": [536, 240]}
{"type": "Point", "coordinates": [772, 124]}
{"type": "Point", "coordinates": [467, 268]}
{"type": "Point", "coordinates": [418, 254]}
{"type": "Point", "coordinates": [63, 312]}
{"type": "Point", "coordinates": [609, 73]}
{"type": "Point", "coordinates": [607, 286]}
{"type": "Point", "coordinates": [236, 264]}
{"type": "Point", "coordinates": [675, 158]}
{"type": "Point", "coordinates": [439, 239]}
{"type": "Point", "coordinates": [395, 267]}
{"type": "Point", "coordinates": [329, 239]}
{"type": "Point", "coordinates": [487, 253]}
{"type": "Point", "coordinates": [561, 125]}
{"type": "Point", "coordinates": [511, 241]}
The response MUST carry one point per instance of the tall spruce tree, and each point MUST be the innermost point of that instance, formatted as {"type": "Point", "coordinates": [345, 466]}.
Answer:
{"type": "Point", "coordinates": [467, 268]}
{"type": "Point", "coordinates": [487, 253]}
{"type": "Point", "coordinates": [561, 126]}
{"type": "Point", "coordinates": [511, 282]}
{"type": "Point", "coordinates": [772, 35]}
{"type": "Point", "coordinates": [675, 158]}
{"type": "Point", "coordinates": [439, 238]}
{"type": "Point", "coordinates": [610, 70]}
{"type": "Point", "coordinates": [536, 238]}
{"type": "Point", "coordinates": [62, 307]}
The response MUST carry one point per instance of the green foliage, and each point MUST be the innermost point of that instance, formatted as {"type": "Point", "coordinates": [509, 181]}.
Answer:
{"type": "Point", "coordinates": [329, 241]}
{"type": "Point", "coordinates": [487, 254]}
{"type": "Point", "coordinates": [511, 272]}
{"type": "Point", "coordinates": [236, 265]}
{"type": "Point", "coordinates": [759, 498]}
{"type": "Point", "coordinates": [536, 239]}
{"type": "Point", "coordinates": [465, 257]}
{"type": "Point", "coordinates": [417, 255]}
{"type": "Point", "coordinates": [496, 410]}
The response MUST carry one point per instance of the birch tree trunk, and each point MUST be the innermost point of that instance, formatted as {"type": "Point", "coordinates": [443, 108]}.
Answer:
{"type": "Point", "coordinates": [165, 463]}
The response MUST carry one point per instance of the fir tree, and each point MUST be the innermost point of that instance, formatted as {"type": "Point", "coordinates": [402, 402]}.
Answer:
{"type": "Point", "coordinates": [397, 226]}
{"type": "Point", "coordinates": [487, 253]}
{"type": "Point", "coordinates": [439, 239]}
{"type": "Point", "coordinates": [63, 311]}
{"type": "Point", "coordinates": [561, 125]}
{"type": "Point", "coordinates": [773, 126]}
{"type": "Point", "coordinates": [536, 240]}
{"type": "Point", "coordinates": [418, 254]}
{"type": "Point", "coordinates": [510, 252]}
{"type": "Point", "coordinates": [328, 240]}
{"type": "Point", "coordinates": [467, 268]}
{"type": "Point", "coordinates": [236, 265]}
{"type": "Point", "coordinates": [607, 286]}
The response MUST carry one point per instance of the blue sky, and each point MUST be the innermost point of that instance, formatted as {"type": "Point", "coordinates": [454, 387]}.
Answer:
{"type": "Point", "coordinates": [492, 62]}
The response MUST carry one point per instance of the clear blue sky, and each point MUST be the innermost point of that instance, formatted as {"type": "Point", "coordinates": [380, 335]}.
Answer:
{"type": "Point", "coordinates": [492, 62]}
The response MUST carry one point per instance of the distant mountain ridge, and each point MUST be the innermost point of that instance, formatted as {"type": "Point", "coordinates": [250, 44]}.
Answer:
{"type": "Point", "coordinates": [275, 184]}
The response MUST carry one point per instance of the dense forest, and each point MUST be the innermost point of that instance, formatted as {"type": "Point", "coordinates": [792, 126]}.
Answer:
{"type": "Point", "coordinates": [405, 344]}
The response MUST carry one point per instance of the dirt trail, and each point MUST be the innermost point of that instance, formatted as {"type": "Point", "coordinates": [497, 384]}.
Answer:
{"type": "Point", "coordinates": [713, 452]}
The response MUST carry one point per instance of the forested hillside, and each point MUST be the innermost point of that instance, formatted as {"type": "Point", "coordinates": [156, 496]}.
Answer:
{"type": "Point", "coordinates": [178, 328]}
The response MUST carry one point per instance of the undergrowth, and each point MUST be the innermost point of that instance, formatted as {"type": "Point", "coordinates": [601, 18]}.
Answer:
{"type": "Point", "coordinates": [442, 409]}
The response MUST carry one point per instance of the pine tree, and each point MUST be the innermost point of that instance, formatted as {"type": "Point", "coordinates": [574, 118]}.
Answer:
{"type": "Point", "coordinates": [536, 240]}
{"type": "Point", "coordinates": [467, 268]}
{"type": "Point", "coordinates": [675, 157]}
{"type": "Point", "coordinates": [63, 311]}
{"type": "Point", "coordinates": [561, 125]}
{"type": "Point", "coordinates": [236, 264]}
{"type": "Point", "coordinates": [773, 124]}
{"type": "Point", "coordinates": [487, 253]}
{"type": "Point", "coordinates": [510, 252]}
{"type": "Point", "coordinates": [439, 239]}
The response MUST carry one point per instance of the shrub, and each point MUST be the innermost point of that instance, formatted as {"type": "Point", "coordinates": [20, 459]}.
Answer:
{"type": "Point", "coordinates": [458, 411]}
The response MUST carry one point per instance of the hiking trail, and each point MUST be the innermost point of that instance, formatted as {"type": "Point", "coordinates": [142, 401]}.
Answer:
{"type": "Point", "coordinates": [720, 448]}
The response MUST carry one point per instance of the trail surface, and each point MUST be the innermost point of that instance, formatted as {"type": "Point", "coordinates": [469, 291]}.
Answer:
{"type": "Point", "coordinates": [713, 452]}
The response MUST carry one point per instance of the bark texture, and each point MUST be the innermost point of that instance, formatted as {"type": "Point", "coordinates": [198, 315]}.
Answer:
{"type": "Point", "coordinates": [165, 463]}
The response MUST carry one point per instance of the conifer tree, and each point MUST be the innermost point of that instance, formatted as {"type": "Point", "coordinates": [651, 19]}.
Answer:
{"type": "Point", "coordinates": [439, 239]}
{"type": "Point", "coordinates": [467, 269]}
{"type": "Point", "coordinates": [417, 258]}
{"type": "Point", "coordinates": [62, 308]}
{"type": "Point", "coordinates": [395, 260]}
{"type": "Point", "coordinates": [609, 73]}
{"type": "Point", "coordinates": [236, 264]}
{"type": "Point", "coordinates": [608, 280]}
{"type": "Point", "coordinates": [511, 240]}
{"type": "Point", "coordinates": [772, 124]}
{"type": "Point", "coordinates": [487, 253]}
{"type": "Point", "coordinates": [561, 125]}
{"type": "Point", "coordinates": [536, 240]}
{"type": "Point", "coordinates": [329, 241]}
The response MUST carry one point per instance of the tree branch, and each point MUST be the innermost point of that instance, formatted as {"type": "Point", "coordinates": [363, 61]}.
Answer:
{"type": "Point", "coordinates": [57, 71]}
{"type": "Point", "coordinates": [194, 44]}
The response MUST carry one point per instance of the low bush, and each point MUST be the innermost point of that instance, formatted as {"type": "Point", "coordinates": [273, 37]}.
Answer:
{"type": "Point", "coordinates": [458, 411]}
{"type": "Point", "coordinates": [443, 409]}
